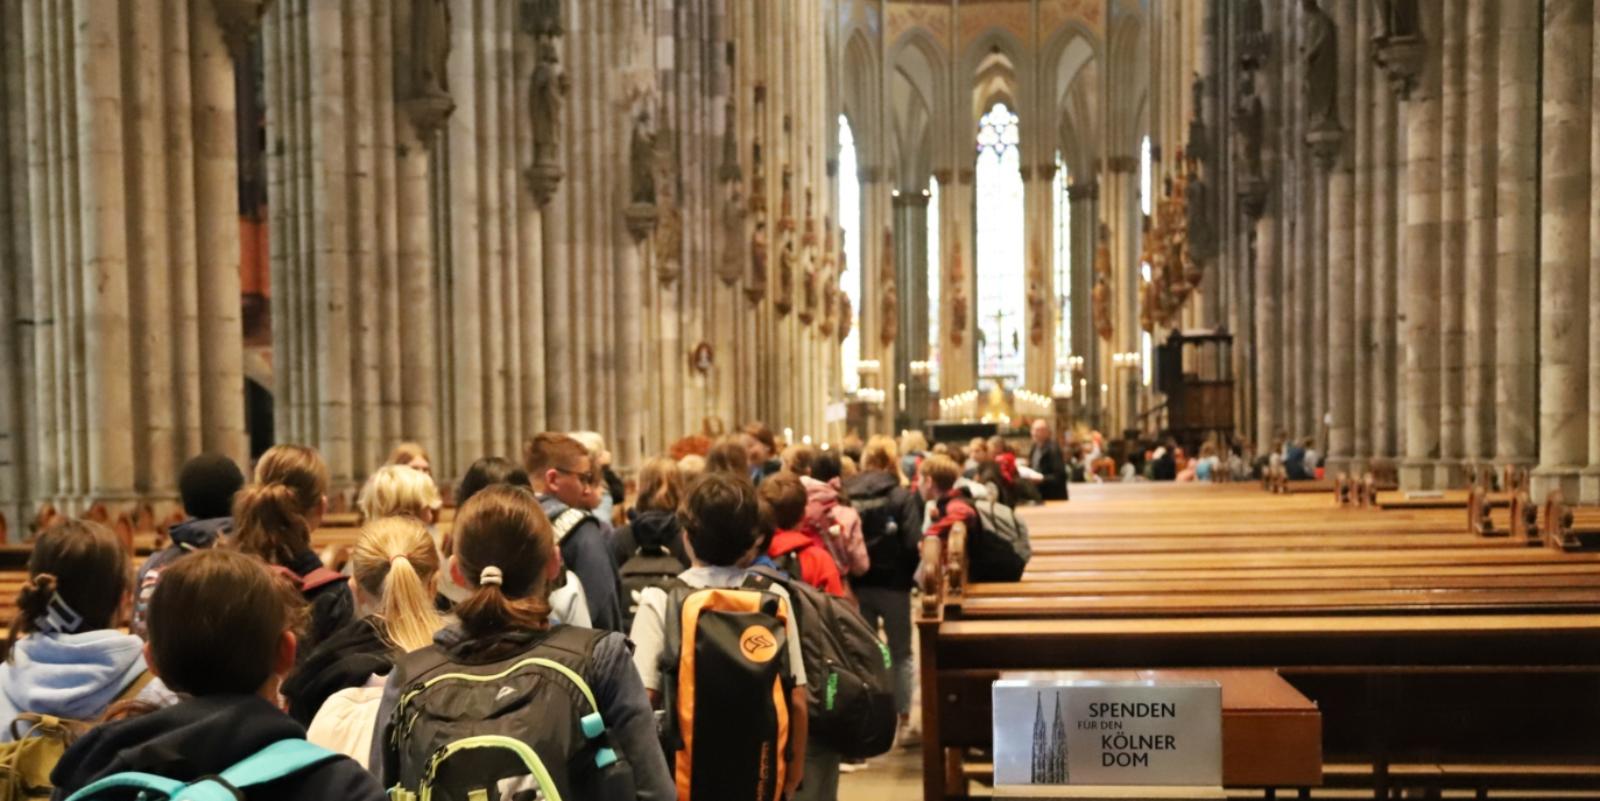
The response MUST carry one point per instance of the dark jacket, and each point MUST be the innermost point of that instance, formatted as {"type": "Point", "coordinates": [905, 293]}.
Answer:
{"type": "Point", "coordinates": [646, 529]}
{"type": "Point", "coordinates": [1047, 459]}
{"type": "Point", "coordinates": [193, 534]}
{"type": "Point", "coordinates": [332, 605]}
{"type": "Point", "coordinates": [203, 737]}
{"type": "Point", "coordinates": [586, 551]}
{"type": "Point", "coordinates": [610, 674]}
{"type": "Point", "coordinates": [347, 659]}
{"type": "Point", "coordinates": [894, 554]}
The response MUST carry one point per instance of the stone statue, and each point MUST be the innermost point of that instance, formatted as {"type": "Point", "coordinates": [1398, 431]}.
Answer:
{"type": "Point", "coordinates": [755, 288]}
{"type": "Point", "coordinates": [957, 289]}
{"type": "Point", "coordinates": [889, 296]}
{"type": "Point", "coordinates": [847, 316]}
{"type": "Point", "coordinates": [1038, 298]}
{"type": "Point", "coordinates": [1102, 284]}
{"type": "Point", "coordinates": [1248, 120]}
{"type": "Point", "coordinates": [733, 217]}
{"type": "Point", "coordinates": [430, 30]}
{"type": "Point", "coordinates": [547, 93]}
{"type": "Point", "coordinates": [808, 293]}
{"type": "Point", "coordinates": [783, 295]}
{"type": "Point", "coordinates": [1201, 237]}
{"type": "Point", "coordinates": [1321, 55]}
{"type": "Point", "coordinates": [642, 162]}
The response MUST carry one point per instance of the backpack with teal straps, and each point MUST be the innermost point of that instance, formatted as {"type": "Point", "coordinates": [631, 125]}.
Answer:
{"type": "Point", "coordinates": [279, 760]}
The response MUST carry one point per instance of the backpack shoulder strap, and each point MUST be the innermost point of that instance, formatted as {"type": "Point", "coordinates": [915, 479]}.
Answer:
{"type": "Point", "coordinates": [282, 758]}
{"type": "Point", "coordinates": [566, 522]}
{"type": "Point", "coordinates": [144, 783]}
{"type": "Point", "coordinates": [135, 687]}
{"type": "Point", "coordinates": [319, 578]}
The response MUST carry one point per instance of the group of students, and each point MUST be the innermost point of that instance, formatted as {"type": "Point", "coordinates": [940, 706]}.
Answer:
{"type": "Point", "coordinates": [722, 643]}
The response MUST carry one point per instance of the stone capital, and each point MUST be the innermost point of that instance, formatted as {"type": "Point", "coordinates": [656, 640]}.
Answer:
{"type": "Point", "coordinates": [1402, 59]}
{"type": "Point", "coordinates": [1252, 193]}
{"type": "Point", "coordinates": [428, 113]}
{"type": "Point", "coordinates": [1047, 172]}
{"type": "Point", "coordinates": [1325, 146]}
{"type": "Point", "coordinates": [1123, 164]}
{"type": "Point", "coordinates": [1026, 172]}
{"type": "Point", "coordinates": [912, 199]}
{"type": "Point", "coordinates": [1083, 191]}
{"type": "Point", "coordinates": [543, 178]}
{"type": "Point", "coordinates": [943, 176]}
{"type": "Point", "coordinates": [966, 176]}
{"type": "Point", "coordinates": [641, 219]}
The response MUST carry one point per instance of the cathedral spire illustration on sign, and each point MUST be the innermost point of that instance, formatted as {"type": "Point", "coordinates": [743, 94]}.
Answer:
{"type": "Point", "coordinates": [1049, 751]}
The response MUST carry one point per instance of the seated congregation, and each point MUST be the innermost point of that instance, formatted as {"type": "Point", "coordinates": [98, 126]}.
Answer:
{"type": "Point", "coordinates": [709, 630]}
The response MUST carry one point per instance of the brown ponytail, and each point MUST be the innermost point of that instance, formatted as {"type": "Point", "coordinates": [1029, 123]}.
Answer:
{"type": "Point", "coordinates": [504, 545]}
{"type": "Point", "coordinates": [84, 564]}
{"type": "Point", "coordinates": [272, 519]}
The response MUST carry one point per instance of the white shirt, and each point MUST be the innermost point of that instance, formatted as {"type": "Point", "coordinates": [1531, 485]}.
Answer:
{"type": "Point", "coordinates": [650, 622]}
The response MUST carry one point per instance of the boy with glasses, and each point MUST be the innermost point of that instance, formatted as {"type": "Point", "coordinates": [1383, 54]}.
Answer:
{"type": "Point", "coordinates": [569, 487]}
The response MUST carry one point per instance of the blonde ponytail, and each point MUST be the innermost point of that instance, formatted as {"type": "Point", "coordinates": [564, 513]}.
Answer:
{"type": "Point", "coordinates": [395, 561]}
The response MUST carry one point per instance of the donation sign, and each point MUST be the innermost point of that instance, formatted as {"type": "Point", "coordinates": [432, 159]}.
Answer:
{"type": "Point", "coordinates": [1058, 732]}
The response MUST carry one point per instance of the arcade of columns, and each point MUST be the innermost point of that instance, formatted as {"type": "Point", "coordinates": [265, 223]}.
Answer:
{"type": "Point", "coordinates": [487, 218]}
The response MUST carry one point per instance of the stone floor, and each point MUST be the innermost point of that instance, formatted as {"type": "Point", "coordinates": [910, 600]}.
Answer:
{"type": "Point", "coordinates": [894, 776]}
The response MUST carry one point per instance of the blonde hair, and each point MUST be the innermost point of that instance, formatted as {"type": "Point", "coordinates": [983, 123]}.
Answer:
{"type": "Point", "coordinates": [394, 561]}
{"type": "Point", "coordinates": [660, 485]}
{"type": "Point", "coordinates": [942, 471]}
{"type": "Point", "coordinates": [913, 442]}
{"type": "Point", "coordinates": [398, 490]}
{"type": "Point", "coordinates": [691, 465]}
{"type": "Point", "coordinates": [882, 455]}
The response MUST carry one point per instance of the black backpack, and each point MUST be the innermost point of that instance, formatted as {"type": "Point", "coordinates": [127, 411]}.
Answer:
{"type": "Point", "coordinates": [886, 543]}
{"type": "Point", "coordinates": [848, 670]}
{"type": "Point", "coordinates": [524, 726]}
{"type": "Point", "coordinates": [998, 550]}
{"type": "Point", "coordinates": [644, 569]}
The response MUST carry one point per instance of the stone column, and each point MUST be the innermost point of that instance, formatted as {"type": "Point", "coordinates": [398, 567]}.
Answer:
{"type": "Point", "coordinates": [1085, 343]}
{"type": "Point", "coordinates": [911, 258]}
{"type": "Point", "coordinates": [1361, 74]}
{"type": "Point", "coordinates": [1420, 293]}
{"type": "Point", "coordinates": [1482, 122]}
{"type": "Point", "coordinates": [1516, 335]}
{"type": "Point", "coordinates": [1338, 156]}
{"type": "Point", "coordinates": [1564, 244]}
{"type": "Point", "coordinates": [1452, 247]}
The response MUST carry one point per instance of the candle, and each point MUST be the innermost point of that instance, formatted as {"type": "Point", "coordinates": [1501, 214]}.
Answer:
{"type": "Point", "coordinates": [902, 394]}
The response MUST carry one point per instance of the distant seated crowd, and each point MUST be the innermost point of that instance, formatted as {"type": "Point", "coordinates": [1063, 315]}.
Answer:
{"type": "Point", "coordinates": [734, 621]}
{"type": "Point", "coordinates": [1162, 458]}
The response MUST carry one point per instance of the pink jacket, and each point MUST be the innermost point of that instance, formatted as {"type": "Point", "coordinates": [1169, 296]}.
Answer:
{"type": "Point", "coordinates": [823, 514]}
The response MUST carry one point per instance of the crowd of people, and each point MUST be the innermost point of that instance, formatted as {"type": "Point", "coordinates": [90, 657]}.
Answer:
{"type": "Point", "coordinates": [696, 631]}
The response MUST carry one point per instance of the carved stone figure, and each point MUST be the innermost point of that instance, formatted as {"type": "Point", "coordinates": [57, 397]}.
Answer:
{"type": "Point", "coordinates": [430, 30]}
{"type": "Point", "coordinates": [733, 234]}
{"type": "Point", "coordinates": [1321, 54]}
{"type": "Point", "coordinates": [1038, 298]}
{"type": "Point", "coordinates": [889, 296]}
{"type": "Point", "coordinates": [957, 290]}
{"type": "Point", "coordinates": [1247, 118]}
{"type": "Point", "coordinates": [755, 287]}
{"type": "Point", "coordinates": [547, 93]}
{"type": "Point", "coordinates": [808, 294]}
{"type": "Point", "coordinates": [783, 294]}
{"type": "Point", "coordinates": [847, 316]}
{"type": "Point", "coordinates": [642, 162]}
{"type": "Point", "coordinates": [1102, 284]}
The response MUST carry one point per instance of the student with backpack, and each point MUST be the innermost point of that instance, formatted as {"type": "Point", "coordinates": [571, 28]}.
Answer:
{"type": "Point", "coordinates": [649, 549]}
{"type": "Point", "coordinates": [273, 520]}
{"type": "Point", "coordinates": [997, 540]}
{"type": "Point", "coordinates": [335, 690]}
{"type": "Point", "coordinates": [891, 525]}
{"type": "Point", "coordinates": [227, 731]}
{"type": "Point", "coordinates": [569, 486]}
{"type": "Point", "coordinates": [568, 604]}
{"type": "Point", "coordinates": [505, 705]}
{"type": "Point", "coordinates": [798, 552]}
{"type": "Point", "coordinates": [70, 664]}
{"type": "Point", "coordinates": [206, 486]}
{"type": "Point", "coordinates": [709, 649]}
{"type": "Point", "coordinates": [829, 516]}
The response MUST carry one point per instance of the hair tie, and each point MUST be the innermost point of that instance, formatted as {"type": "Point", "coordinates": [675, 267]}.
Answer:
{"type": "Point", "coordinates": [491, 575]}
{"type": "Point", "coordinates": [59, 616]}
{"type": "Point", "coordinates": [398, 557]}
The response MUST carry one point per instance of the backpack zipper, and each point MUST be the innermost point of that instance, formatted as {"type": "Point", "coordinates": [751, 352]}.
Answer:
{"type": "Point", "coordinates": [528, 756]}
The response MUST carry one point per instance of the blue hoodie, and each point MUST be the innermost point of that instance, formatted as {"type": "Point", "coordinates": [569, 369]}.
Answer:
{"type": "Point", "coordinates": [69, 675]}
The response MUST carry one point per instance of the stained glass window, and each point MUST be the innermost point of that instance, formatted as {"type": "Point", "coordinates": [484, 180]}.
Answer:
{"type": "Point", "coordinates": [1002, 279]}
{"type": "Point", "coordinates": [850, 277]}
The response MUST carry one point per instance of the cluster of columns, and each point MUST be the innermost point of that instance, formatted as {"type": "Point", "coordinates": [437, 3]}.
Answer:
{"type": "Point", "coordinates": [1399, 313]}
{"type": "Point", "coordinates": [120, 346]}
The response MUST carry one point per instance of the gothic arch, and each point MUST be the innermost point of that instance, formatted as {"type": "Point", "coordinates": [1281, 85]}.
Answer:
{"type": "Point", "coordinates": [861, 101]}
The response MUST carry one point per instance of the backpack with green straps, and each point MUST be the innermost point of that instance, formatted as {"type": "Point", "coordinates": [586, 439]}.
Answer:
{"type": "Point", "coordinates": [525, 726]}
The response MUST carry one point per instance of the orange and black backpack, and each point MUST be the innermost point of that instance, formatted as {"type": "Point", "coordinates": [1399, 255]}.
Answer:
{"type": "Point", "coordinates": [725, 688]}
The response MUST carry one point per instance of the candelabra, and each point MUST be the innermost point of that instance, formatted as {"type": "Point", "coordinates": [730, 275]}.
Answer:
{"type": "Point", "coordinates": [961, 406]}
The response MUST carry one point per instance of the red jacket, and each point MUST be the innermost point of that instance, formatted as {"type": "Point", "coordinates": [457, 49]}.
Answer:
{"type": "Point", "coordinates": [817, 567]}
{"type": "Point", "coordinates": [955, 507]}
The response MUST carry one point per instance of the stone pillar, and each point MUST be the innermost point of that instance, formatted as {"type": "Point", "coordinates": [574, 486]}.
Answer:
{"type": "Point", "coordinates": [1384, 364]}
{"type": "Point", "coordinates": [1482, 122]}
{"type": "Point", "coordinates": [1085, 343]}
{"type": "Point", "coordinates": [911, 271]}
{"type": "Point", "coordinates": [1452, 268]}
{"type": "Point", "coordinates": [1364, 89]}
{"type": "Point", "coordinates": [1516, 335]}
{"type": "Point", "coordinates": [1340, 333]}
{"type": "Point", "coordinates": [1421, 279]}
{"type": "Point", "coordinates": [1564, 245]}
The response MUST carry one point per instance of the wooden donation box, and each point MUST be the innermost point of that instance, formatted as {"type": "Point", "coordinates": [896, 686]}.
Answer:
{"type": "Point", "coordinates": [1271, 735]}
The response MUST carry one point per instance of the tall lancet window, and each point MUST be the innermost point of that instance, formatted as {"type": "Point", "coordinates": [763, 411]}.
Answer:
{"type": "Point", "coordinates": [1063, 263]}
{"type": "Point", "coordinates": [850, 277]}
{"type": "Point", "coordinates": [935, 280]}
{"type": "Point", "coordinates": [1147, 203]}
{"type": "Point", "coordinates": [1002, 279]}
